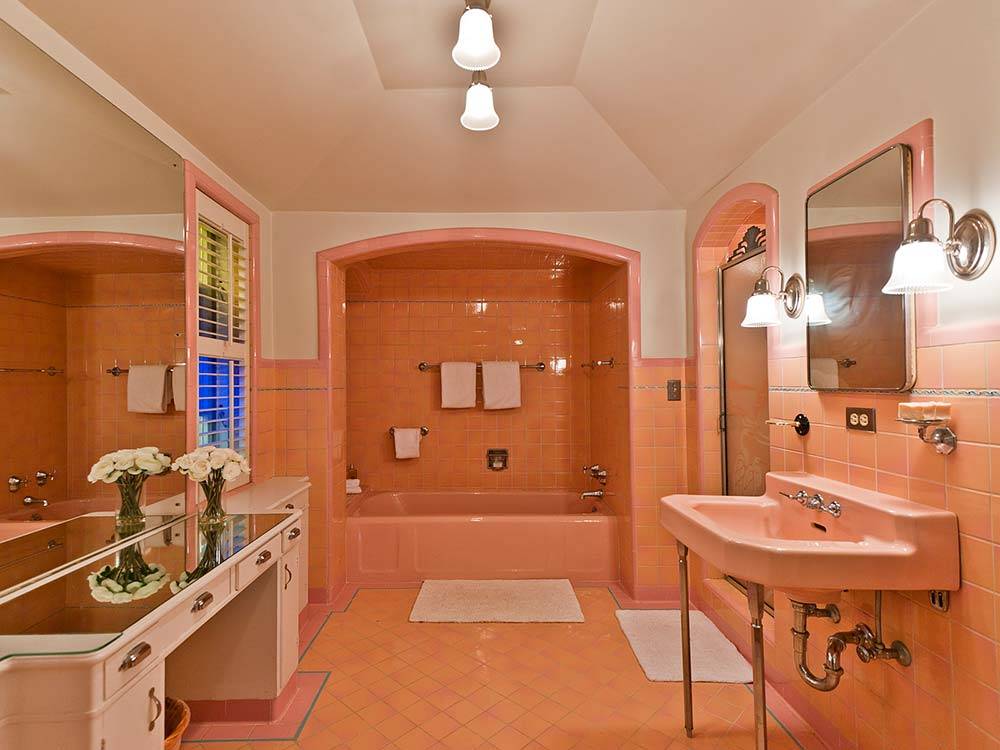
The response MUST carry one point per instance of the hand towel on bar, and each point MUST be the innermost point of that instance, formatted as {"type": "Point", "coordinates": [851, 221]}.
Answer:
{"type": "Point", "coordinates": [353, 486]}
{"type": "Point", "coordinates": [458, 385]}
{"type": "Point", "coordinates": [501, 385]}
{"type": "Point", "coordinates": [178, 382]}
{"type": "Point", "coordinates": [148, 389]}
{"type": "Point", "coordinates": [407, 441]}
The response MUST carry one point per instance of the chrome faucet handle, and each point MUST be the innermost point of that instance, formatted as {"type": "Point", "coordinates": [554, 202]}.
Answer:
{"type": "Point", "coordinates": [42, 478]}
{"type": "Point", "coordinates": [14, 483]}
{"type": "Point", "coordinates": [834, 509]}
{"type": "Point", "coordinates": [800, 496]}
{"type": "Point", "coordinates": [597, 472]}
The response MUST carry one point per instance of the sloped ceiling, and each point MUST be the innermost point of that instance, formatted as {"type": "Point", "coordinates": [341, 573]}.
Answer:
{"type": "Point", "coordinates": [348, 105]}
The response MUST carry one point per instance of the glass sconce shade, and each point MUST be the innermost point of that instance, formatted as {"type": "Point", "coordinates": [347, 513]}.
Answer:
{"type": "Point", "coordinates": [919, 268]}
{"type": "Point", "coordinates": [762, 311]}
{"type": "Point", "coordinates": [476, 48]}
{"type": "Point", "coordinates": [816, 314]}
{"type": "Point", "coordinates": [479, 111]}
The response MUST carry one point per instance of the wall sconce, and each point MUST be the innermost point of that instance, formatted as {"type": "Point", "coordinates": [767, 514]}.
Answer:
{"type": "Point", "coordinates": [924, 264]}
{"type": "Point", "coordinates": [816, 314]}
{"type": "Point", "coordinates": [763, 306]}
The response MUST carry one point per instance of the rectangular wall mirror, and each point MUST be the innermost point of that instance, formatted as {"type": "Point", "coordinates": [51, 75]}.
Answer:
{"type": "Point", "coordinates": [853, 226]}
{"type": "Point", "coordinates": [92, 278]}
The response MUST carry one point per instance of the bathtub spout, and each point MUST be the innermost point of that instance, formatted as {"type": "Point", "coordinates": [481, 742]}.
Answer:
{"type": "Point", "coordinates": [597, 494]}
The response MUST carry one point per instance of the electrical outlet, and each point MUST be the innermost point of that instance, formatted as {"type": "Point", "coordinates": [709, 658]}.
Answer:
{"type": "Point", "coordinates": [860, 419]}
{"type": "Point", "coordinates": [673, 390]}
{"type": "Point", "coordinates": [939, 600]}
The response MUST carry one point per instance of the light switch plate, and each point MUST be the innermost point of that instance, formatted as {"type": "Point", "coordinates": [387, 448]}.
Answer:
{"type": "Point", "coordinates": [673, 390]}
{"type": "Point", "coordinates": [860, 419]}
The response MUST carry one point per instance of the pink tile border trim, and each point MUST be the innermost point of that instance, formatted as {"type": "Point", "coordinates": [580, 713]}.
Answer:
{"type": "Point", "coordinates": [285, 726]}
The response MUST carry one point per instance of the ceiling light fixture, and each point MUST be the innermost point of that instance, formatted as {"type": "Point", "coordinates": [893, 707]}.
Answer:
{"type": "Point", "coordinates": [476, 49]}
{"type": "Point", "coordinates": [923, 264]}
{"type": "Point", "coordinates": [763, 306]}
{"type": "Point", "coordinates": [480, 113]}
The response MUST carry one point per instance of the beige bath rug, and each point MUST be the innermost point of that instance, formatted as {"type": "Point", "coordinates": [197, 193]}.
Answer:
{"type": "Point", "coordinates": [655, 637]}
{"type": "Point", "coordinates": [496, 601]}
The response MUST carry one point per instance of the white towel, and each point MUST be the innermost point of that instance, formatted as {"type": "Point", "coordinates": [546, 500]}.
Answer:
{"type": "Point", "coordinates": [148, 389]}
{"type": "Point", "coordinates": [407, 440]}
{"type": "Point", "coordinates": [353, 486]}
{"type": "Point", "coordinates": [458, 385]}
{"type": "Point", "coordinates": [178, 383]}
{"type": "Point", "coordinates": [501, 385]}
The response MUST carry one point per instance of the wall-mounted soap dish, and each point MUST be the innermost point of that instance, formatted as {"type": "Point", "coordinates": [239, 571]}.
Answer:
{"type": "Point", "coordinates": [942, 437]}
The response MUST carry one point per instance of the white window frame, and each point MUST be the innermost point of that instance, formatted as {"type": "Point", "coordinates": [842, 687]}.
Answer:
{"type": "Point", "coordinates": [220, 218]}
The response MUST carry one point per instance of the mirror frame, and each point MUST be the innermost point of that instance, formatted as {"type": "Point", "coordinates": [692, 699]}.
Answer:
{"type": "Point", "coordinates": [909, 310]}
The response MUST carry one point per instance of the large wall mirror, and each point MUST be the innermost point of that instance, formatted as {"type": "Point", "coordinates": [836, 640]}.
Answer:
{"type": "Point", "coordinates": [853, 226]}
{"type": "Point", "coordinates": [92, 285]}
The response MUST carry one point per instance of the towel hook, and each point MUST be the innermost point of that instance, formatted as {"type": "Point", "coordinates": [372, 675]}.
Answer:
{"type": "Point", "coordinates": [423, 431]}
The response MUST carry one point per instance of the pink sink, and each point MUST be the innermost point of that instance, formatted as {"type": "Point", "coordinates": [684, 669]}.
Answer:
{"type": "Point", "coordinates": [879, 542]}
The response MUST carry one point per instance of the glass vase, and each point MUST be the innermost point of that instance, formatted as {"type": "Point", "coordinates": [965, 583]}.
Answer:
{"type": "Point", "coordinates": [130, 517]}
{"type": "Point", "coordinates": [213, 487]}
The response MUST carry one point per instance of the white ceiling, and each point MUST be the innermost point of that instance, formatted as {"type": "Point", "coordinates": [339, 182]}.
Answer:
{"type": "Point", "coordinates": [353, 106]}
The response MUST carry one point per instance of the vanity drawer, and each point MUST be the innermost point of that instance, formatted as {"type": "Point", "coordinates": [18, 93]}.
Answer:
{"type": "Point", "coordinates": [134, 658]}
{"type": "Point", "coordinates": [247, 570]}
{"type": "Point", "coordinates": [293, 536]}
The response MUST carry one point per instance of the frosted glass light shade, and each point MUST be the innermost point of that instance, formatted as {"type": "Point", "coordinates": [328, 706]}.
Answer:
{"type": "Point", "coordinates": [816, 314]}
{"type": "Point", "coordinates": [762, 311]}
{"type": "Point", "coordinates": [476, 48]}
{"type": "Point", "coordinates": [479, 111]}
{"type": "Point", "coordinates": [919, 268]}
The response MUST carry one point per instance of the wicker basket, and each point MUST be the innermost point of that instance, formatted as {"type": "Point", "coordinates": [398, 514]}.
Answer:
{"type": "Point", "coordinates": [175, 723]}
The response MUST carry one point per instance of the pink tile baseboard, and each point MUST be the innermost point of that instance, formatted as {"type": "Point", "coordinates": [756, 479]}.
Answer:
{"type": "Point", "coordinates": [285, 726]}
{"type": "Point", "coordinates": [245, 710]}
{"type": "Point", "coordinates": [646, 597]}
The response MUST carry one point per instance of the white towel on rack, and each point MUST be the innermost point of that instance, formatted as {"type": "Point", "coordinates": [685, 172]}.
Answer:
{"type": "Point", "coordinates": [148, 389]}
{"type": "Point", "coordinates": [178, 384]}
{"type": "Point", "coordinates": [501, 385]}
{"type": "Point", "coordinates": [407, 442]}
{"type": "Point", "coordinates": [458, 385]}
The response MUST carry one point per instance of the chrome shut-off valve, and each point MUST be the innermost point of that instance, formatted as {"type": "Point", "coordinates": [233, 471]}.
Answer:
{"type": "Point", "coordinates": [595, 471]}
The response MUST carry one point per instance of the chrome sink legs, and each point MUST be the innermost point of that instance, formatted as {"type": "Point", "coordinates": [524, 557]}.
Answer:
{"type": "Point", "coordinates": [682, 555]}
{"type": "Point", "coordinates": [755, 595]}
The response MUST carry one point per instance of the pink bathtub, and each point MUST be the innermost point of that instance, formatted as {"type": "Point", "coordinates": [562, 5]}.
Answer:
{"type": "Point", "coordinates": [407, 537]}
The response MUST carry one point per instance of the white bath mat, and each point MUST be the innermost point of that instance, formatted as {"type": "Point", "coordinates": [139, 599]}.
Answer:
{"type": "Point", "coordinates": [496, 601]}
{"type": "Point", "coordinates": [655, 637]}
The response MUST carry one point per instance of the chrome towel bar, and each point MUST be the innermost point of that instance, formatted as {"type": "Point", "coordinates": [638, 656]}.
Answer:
{"type": "Point", "coordinates": [425, 366]}
{"type": "Point", "coordinates": [423, 431]}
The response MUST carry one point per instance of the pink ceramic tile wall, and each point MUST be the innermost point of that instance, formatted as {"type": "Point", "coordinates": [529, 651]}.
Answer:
{"type": "Point", "coordinates": [400, 318]}
{"type": "Point", "coordinates": [950, 697]}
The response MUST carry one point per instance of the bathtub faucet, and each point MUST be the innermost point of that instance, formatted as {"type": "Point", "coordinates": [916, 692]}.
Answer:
{"type": "Point", "coordinates": [29, 500]}
{"type": "Point", "coordinates": [597, 494]}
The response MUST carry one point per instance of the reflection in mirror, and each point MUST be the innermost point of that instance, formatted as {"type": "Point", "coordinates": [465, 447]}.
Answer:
{"type": "Point", "coordinates": [74, 609]}
{"type": "Point", "coordinates": [853, 227]}
{"type": "Point", "coordinates": [72, 161]}
{"type": "Point", "coordinates": [91, 278]}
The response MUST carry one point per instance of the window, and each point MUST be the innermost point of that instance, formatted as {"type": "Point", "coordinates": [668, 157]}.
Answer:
{"type": "Point", "coordinates": [223, 328]}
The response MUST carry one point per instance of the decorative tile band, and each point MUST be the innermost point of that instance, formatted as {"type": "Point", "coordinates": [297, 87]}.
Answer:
{"type": "Point", "coordinates": [483, 301]}
{"type": "Point", "coordinates": [954, 392]}
{"type": "Point", "coordinates": [299, 388]}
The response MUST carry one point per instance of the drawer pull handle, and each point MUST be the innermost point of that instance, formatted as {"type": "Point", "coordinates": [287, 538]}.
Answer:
{"type": "Point", "coordinates": [289, 506]}
{"type": "Point", "coordinates": [294, 533]}
{"type": "Point", "coordinates": [202, 601]}
{"type": "Point", "coordinates": [263, 557]}
{"type": "Point", "coordinates": [135, 656]}
{"type": "Point", "coordinates": [159, 708]}
{"type": "Point", "coordinates": [289, 572]}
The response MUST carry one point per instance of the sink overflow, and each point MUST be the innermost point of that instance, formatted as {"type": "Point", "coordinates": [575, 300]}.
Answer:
{"type": "Point", "coordinates": [819, 526]}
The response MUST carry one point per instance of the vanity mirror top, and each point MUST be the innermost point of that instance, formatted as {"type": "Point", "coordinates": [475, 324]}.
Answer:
{"type": "Point", "coordinates": [91, 602]}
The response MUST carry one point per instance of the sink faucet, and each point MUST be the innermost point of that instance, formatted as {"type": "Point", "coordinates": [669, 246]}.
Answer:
{"type": "Point", "coordinates": [598, 494]}
{"type": "Point", "coordinates": [29, 500]}
{"type": "Point", "coordinates": [815, 502]}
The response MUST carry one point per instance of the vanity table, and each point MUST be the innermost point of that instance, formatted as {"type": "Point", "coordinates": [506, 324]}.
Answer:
{"type": "Point", "coordinates": [78, 673]}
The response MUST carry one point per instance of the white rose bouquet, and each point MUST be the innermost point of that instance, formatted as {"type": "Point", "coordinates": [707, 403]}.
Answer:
{"type": "Point", "coordinates": [132, 578]}
{"type": "Point", "coordinates": [211, 468]}
{"type": "Point", "coordinates": [129, 469]}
